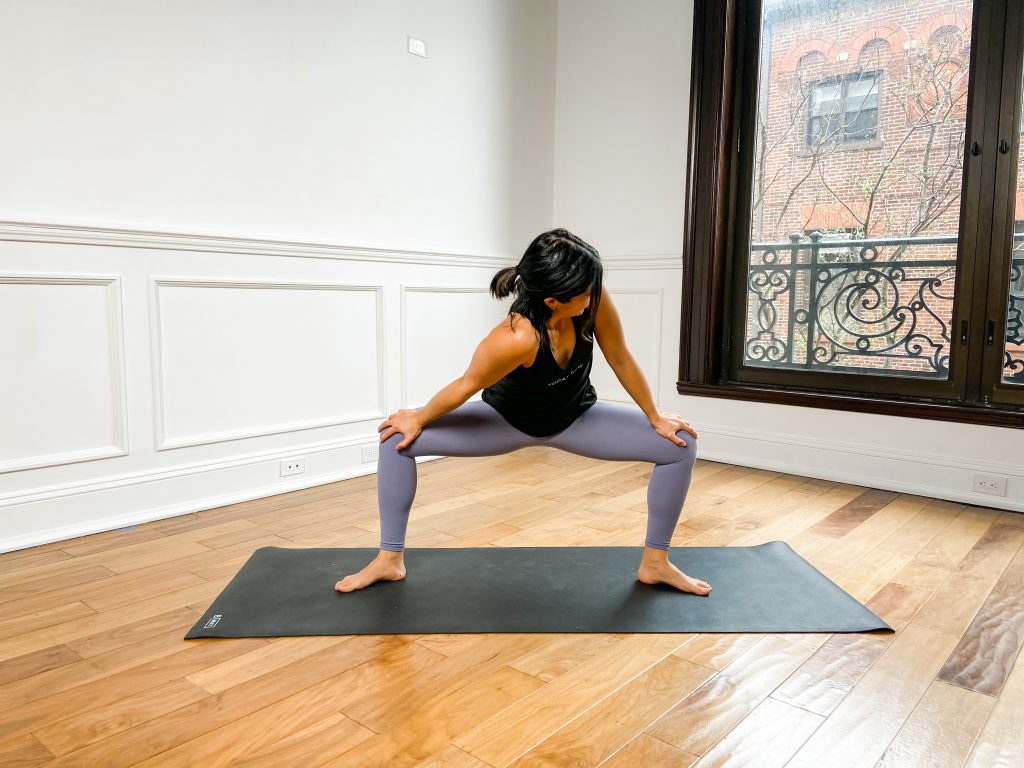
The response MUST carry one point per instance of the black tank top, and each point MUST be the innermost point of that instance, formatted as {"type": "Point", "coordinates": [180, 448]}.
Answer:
{"type": "Point", "coordinates": [544, 399]}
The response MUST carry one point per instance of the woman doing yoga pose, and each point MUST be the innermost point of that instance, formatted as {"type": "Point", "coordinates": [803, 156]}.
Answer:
{"type": "Point", "coordinates": [534, 370]}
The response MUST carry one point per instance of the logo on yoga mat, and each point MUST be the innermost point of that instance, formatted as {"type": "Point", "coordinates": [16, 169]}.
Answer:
{"type": "Point", "coordinates": [212, 622]}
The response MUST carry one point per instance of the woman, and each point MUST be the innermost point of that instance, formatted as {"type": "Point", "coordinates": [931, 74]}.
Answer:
{"type": "Point", "coordinates": [534, 369]}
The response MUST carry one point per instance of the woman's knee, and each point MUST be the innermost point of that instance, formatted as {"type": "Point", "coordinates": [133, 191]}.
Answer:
{"type": "Point", "coordinates": [685, 454]}
{"type": "Point", "coordinates": [387, 448]}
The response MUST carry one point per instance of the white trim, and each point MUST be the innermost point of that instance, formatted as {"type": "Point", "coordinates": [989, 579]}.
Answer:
{"type": "Point", "coordinates": [176, 239]}
{"type": "Point", "coordinates": [121, 236]}
{"type": "Point", "coordinates": [65, 490]}
{"type": "Point", "coordinates": [958, 463]}
{"type": "Point", "coordinates": [66, 532]}
{"type": "Point", "coordinates": [161, 439]}
{"type": "Point", "coordinates": [862, 480]}
{"type": "Point", "coordinates": [118, 376]}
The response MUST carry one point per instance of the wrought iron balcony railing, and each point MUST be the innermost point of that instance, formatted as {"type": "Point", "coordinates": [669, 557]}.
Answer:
{"type": "Point", "coordinates": [878, 306]}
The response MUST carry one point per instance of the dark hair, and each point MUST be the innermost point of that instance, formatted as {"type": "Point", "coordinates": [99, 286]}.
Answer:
{"type": "Point", "coordinates": [558, 265]}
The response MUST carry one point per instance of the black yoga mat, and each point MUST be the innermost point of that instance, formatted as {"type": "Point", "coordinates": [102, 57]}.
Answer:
{"type": "Point", "coordinates": [767, 588]}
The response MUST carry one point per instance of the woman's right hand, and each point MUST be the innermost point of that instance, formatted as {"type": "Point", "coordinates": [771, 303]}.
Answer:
{"type": "Point", "coordinates": [405, 421]}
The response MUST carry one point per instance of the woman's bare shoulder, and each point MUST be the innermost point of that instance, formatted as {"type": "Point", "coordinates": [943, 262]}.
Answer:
{"type": "Point", "coordinates": [515, 332]}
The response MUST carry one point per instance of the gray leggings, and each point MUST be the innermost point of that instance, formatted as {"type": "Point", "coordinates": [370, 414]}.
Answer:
{"type": "Point", "coordinates": [604, 431]}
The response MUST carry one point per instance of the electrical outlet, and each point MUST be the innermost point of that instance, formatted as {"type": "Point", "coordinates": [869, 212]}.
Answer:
{"type": "Point", "coordinates": [294, 466]}
{"type": "Point", "coordinates": [991, 484]}
{"type": "Point", "coordinates": [370, 453]}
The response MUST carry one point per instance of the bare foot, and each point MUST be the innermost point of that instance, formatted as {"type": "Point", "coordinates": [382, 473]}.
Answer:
{"type": "Point", "coordinates": [666, 573]}
{"type": "Point", "coordinates": [378, 570]}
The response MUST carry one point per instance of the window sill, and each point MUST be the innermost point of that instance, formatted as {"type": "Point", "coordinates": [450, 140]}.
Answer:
{"type": "Point", "coordinates": [995, 416]}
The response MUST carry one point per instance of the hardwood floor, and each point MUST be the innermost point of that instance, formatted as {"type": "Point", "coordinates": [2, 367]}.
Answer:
{"type": "Point", "coordinates": [94, 671]}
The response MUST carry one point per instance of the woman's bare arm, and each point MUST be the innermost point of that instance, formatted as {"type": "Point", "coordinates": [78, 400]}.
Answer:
{"type": "Point", "coordinates": [500, 353]}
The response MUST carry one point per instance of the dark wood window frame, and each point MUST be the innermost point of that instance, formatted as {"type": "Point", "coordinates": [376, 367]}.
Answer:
{"type": "Point", "coordinates": [708, 232]}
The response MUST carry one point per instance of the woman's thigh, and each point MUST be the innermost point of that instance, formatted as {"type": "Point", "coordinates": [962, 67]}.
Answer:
{"type": "Point", "coordinates": [472, 429]}
{"type": "Point", "coordinates": [621, 433]}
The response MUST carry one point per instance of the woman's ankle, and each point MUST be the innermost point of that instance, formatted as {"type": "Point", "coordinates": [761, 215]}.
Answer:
{"type": "Point", "coordinates": [655, 556]}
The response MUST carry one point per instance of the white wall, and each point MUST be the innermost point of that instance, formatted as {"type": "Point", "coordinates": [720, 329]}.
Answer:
{"type": "Point", "coordinates": [620, 143]}
{"type": "Point", "coordinates": [302, 120]}
{"type": "Point", "coordinates": [234, 233]}
{"type": "Point", "coordinates": [237, 232]}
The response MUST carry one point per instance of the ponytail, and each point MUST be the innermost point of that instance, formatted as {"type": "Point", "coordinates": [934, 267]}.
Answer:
{"type": "Point", "coordinates": [504, 283]}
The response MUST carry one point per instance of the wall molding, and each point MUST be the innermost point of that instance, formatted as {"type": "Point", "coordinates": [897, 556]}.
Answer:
{"type": "Point", "coordinates": [118, 236]}
{"type": "Point", "coordinates": [118, 371]}
{"type": "Point", "coordinates": [660, 293]}
{"type": "Point", "coordinates": [163, 443]}
{"type": "Point", "coordinates": [124, 236]}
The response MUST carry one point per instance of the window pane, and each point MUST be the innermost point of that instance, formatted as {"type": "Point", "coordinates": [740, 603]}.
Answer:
{"type": "Point", "coordinates": [1013, 350]}
{"type": "Point", "coordinates": [860, 131]}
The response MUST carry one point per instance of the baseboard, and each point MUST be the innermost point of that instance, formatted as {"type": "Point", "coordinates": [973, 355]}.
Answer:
{"type": "Point", "coordinates": [73, 510]}
{"type": "Point", "coordinates": [857, 464]}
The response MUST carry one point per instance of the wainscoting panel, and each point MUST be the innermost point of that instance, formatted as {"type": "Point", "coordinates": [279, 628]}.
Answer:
{"type": "Point", "coordinates": [441, 328]}
{"type": "Point", "coordinates": [62, 376]}
{"type": "Point", "coordinates": [241, 359]}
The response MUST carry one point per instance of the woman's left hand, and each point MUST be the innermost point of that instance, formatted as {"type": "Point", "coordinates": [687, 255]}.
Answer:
{"type": "Point", "coordinates": [667, 424]}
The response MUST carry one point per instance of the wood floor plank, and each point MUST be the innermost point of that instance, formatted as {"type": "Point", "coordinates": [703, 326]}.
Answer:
{"type": "Point", "coordinates": [1001, 742]}
{"type": "Point", "coordinates": [137, 650]}
{"type": "Point", "coordinates": [259, 661]}
{"type": "Point", "coordinates": [940, 556]}
{"type": "Point", "coordinates": [92, 725]}
{"type": "Point", "coordinates": [645, 751]}
{"type": "Point", "coordinates": [821, 683]}
{"type": "Point", "coordinates": [985, 654]}
{"type": "Point", "coordinates": [33, 664]}
{"type": "Point", "coordinates": [876, 529]}
{"type": "Point", "coordinates": [33, 583]}
{"type": "Point", "coordinates": [439, 723]}
{"type": "Point", "coordinates": [395, 701]}
{"type": "Point", "coordinates": [453, 757]}
{"type": "Point", "coordinates": [955, 603]}
{"type": "Point", "coordinates": [308, 747]}
{"type": "Point", "coordinates": [44, 619]}
{"type": "Point", "coordinates": [717, 651]}
{"type": "Point", "coordinates": [941, 730]}
{"type": "Point", "coordinates": [23, 752]}
{"type": "Point", "coordinates": [565, 652]}
{"type": "Point", "coordinates": [500, 740]}
{"type": "Point", "coordinates": [609, 725]}
{"type": "Point", "coordinates": [264, 729]}
{"type": "Point", "coordinates": [805, 515]}
{"type": "Point", "coordinates": [101, 622]}
{"type": "Point", "coordinates": [768, 737]}
{"type": "Point", "coordinates": [99, 689]}
{"type": "Point", "coordinates": [860, 729]}
{"type": "Point", "coordinates": [208, 714]}
{"type": "Point", "coordinates": [16, 561]}
{"type": "Point", "coordinates": [697, 722]}
{"type": "Point", "coordinates": [853, 513]}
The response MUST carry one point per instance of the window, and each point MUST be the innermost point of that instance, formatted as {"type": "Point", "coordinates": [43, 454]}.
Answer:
{"type": "Point", "coordinates": [887, 281]}
{"type": "Point", "coordinates": [844, 110]}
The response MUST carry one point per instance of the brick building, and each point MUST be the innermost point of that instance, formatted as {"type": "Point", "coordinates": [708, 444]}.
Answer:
{"type": "Point", "coordinates": [860, 135]}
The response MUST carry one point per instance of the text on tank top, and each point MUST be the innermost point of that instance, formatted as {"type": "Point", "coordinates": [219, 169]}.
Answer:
{"type": "Point", "coordinates": [545, 398]}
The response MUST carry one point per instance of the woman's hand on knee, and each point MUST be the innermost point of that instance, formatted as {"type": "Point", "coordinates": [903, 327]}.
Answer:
{"type": "Point", "coordinates": [667, 424]}
{"type": "Point", "coordinates": [405, 421]}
